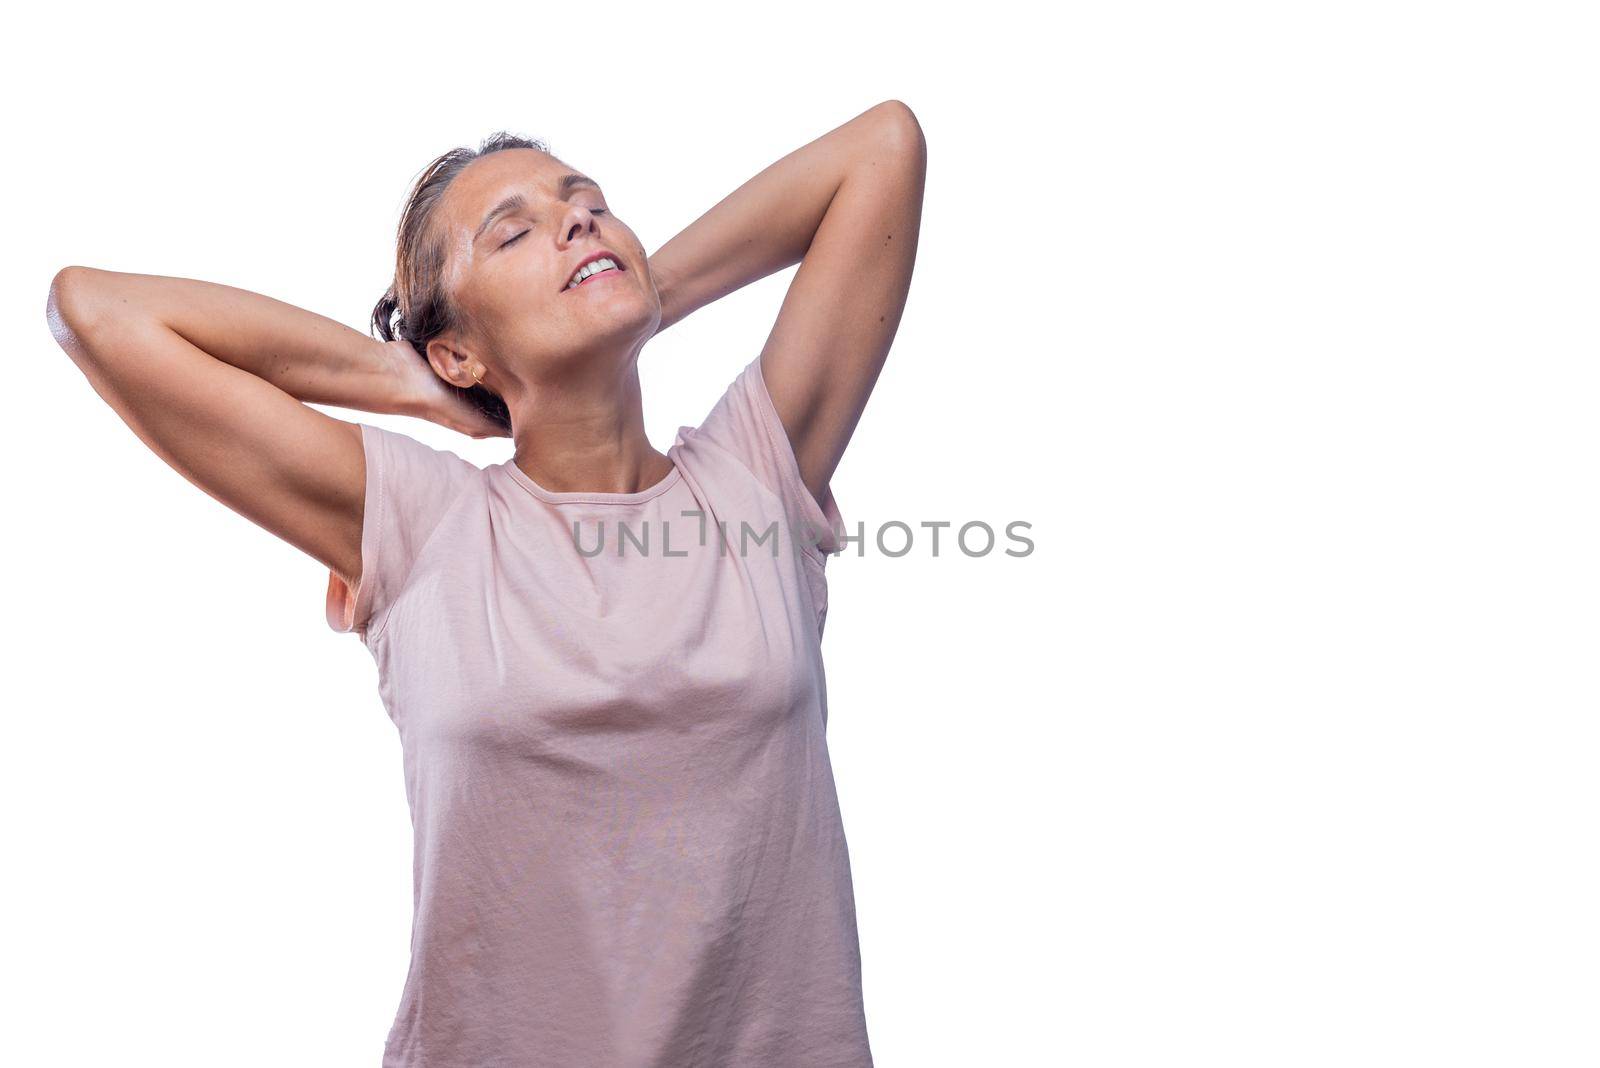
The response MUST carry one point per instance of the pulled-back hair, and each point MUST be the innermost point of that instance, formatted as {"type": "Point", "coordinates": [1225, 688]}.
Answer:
{"type": "Point", "coordinates": [416, 308]}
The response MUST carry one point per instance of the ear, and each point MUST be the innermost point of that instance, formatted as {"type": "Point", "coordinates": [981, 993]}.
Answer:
{"type": "Point", "coordinates": [450, 362]}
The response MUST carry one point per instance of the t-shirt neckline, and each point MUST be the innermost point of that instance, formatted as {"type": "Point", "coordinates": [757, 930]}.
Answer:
{"type": "Point", "coordinates": [522, 479]}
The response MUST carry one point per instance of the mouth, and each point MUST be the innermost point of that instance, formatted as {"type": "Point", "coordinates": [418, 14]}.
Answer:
{"type": "Point", "coordinates": [600, 264]}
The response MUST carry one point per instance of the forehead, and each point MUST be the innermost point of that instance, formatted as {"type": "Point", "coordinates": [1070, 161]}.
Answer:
{"type": "Point", "coordinates": [484, 182]}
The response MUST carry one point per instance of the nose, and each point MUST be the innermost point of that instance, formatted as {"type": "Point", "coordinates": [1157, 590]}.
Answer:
{"type": "Point", "coordinates": [577, 222]}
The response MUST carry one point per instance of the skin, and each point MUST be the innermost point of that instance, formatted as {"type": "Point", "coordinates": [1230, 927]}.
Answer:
{"type": "Point", "coordinates": [216, 380]}
{"type": "Point", "coordinates": [565, 361]}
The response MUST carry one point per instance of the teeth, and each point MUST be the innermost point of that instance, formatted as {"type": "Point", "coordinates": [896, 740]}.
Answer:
{"type": "Point", "coordinates": [604, 263]}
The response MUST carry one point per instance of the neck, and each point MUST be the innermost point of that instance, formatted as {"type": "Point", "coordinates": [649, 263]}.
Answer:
{"type": "Point", "coordinates": [584, 433]}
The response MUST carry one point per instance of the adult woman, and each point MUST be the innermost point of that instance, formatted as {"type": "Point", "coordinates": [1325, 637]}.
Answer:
{"type": "Point", "coordinates": [628, 847]}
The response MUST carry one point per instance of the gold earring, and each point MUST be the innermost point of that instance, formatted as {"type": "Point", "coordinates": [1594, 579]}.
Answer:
{"type": "Point", "coordinates": [477, 375]}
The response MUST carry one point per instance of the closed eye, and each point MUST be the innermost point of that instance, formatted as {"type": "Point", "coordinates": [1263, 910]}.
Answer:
{"type": "Point", "coordinates": [518, 236]}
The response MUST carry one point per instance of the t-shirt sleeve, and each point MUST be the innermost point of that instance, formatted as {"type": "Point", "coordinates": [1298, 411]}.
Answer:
{"type": "Point", "coordinates": [745, 424]}
{"type": "Point", "coordinates": [409, 487]}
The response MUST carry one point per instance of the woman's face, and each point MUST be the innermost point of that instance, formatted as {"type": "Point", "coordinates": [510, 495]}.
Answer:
{"type": "Point", "coordinates": [516, 225]}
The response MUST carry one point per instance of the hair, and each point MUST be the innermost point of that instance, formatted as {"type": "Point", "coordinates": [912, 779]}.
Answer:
{"type": "Point", "coordinates": [416, 309]}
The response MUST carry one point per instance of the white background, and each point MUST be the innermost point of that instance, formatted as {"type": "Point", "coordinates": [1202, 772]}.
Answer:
{"type": "Point", "coordinates": [1277, 321]}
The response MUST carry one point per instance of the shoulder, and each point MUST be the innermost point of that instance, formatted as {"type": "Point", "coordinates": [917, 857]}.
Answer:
{"type": "Point", "coordinates": [744, 424]}
{"type": "Point", "coordinates": [410, 486]}
{"type": "Point", "coordinates": [407, 454]}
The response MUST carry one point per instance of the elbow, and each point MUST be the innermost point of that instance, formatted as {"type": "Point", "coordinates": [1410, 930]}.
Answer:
{"type": "Point", "coordinates": [72, 294]}
{"type": "Point", "coordinates": [893, 151]}
{"type": "Point", "coordinates": [73, 308]}
{"type": "Point", "coordinates": [900, 130]}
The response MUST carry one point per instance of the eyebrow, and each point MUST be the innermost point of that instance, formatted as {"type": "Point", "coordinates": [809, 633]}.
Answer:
{"type": "Point", "coordinates": [515, 201]}
{"type": "Point", "coordinates": [569, 182]}
{"type": "Point", "coordinates": [509, 204]}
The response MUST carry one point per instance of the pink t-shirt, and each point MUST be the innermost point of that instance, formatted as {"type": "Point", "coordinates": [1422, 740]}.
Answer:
{"type": "Point", "coordinates": [628, 848]}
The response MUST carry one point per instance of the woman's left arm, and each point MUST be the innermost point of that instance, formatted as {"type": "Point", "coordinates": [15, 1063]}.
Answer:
{"type": "Point", "coordinates": [847, 207]}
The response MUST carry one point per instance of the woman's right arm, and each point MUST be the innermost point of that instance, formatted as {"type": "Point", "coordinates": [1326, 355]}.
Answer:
{"type": "Point", "coordinates": [213, 379]}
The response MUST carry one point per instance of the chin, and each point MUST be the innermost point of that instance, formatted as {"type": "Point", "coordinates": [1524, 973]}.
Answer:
{"type": "Point", "coordinates": [625, 315]}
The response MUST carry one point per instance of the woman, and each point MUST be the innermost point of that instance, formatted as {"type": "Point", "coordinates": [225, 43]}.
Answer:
{"type": "Point", "coordinates": [604, 667]}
